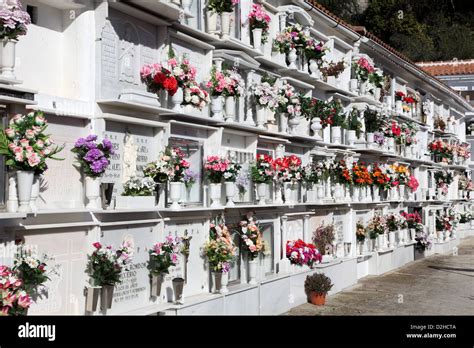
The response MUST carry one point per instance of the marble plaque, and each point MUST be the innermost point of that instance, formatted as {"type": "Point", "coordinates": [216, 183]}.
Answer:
{"type": "Point", "coordinates": [295, 229]}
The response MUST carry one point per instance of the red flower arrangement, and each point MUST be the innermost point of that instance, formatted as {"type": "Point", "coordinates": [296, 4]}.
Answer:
{"type": "Point", "coordinates": [399, 95]}
{"type": "Point", "coordinates": [288, 168]}
{"type": "Point", "coordinates": [361, 175]}
{"type": "Point", "coordinates": [380, 178]}
{"type": "Point", "coordinates": [413, 183]}
{"type": "Point", "coordinates": [341, 174]}
{"type": "Point", "coordinates": [301, 253]}
{"type": "Point", "coordinates": [409, 100]}
{"type": "Point", "coordinates": [156, 77]}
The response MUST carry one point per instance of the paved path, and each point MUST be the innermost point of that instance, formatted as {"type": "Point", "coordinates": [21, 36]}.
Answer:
{"type": "Point", "coordinates": [438, 285]}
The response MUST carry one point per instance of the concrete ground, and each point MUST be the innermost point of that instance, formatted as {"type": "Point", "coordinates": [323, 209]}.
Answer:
{"type": "Point", "coordinates": [437, 285]}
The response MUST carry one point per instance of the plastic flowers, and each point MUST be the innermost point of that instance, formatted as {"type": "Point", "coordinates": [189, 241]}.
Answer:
{"type": "Point", "coordinates": [234, 84]}
{"type": "Point", "coordinates": [315, 49]}
{"type": "Point", "coordinates": [288, 101]}
{"type": "Point", "coordinates": [360, 232]}
{"type": "Point", "coordinates": [380, 177]}
{"type": "Point", "coordinates": [157, 78]}
{"type": "Point", "coordinates": [265, 95]}
{"type": "Point", "coordinates": [301, 253]}
{"type": "Point", "coordinates": [340, 173]}
{"type": "Point", "coordinates": [164, 255]}
{"type": "Point", "coordinates": [290, 38]}
{"type": "Point", "coordinates": [362, 68]}
{"type": "Point", "coordinates": [443, 179]}
{"type": "Point", "coordinates": [170, 165]}
{"type": "Point", "coordinates": [25, 145]}
{"type": "Point", "coordinates": [288, 169]}
{"type": "Point", "coordinates": [219, 249]}
{"type": "Point", "coordinates": [13, 298]}
{"type": "Point", "coordinates": [92, 155]}
{"type": "Point", "coordinates": [218, 168]}
{"type": "Point", "coordinates": [313, 173]}
{"type": "Point", "coordinates": [441, 150]}
{"type": "Point", "coordinates": [105, 264]}
{"type": "Point", "coordinates": [361, 175]}
{"type": "Point", "coordinates": [195, 96]}
{"type": "Point", "coordinates": [251, 236]}
{"type": "Point", "coordinates": [413, 220]}
{"type": "Point", "coordinates": [259, 19]}
{"type": "Point", "coordinates": [13, 20]}
{"type": "Point", "coordinates": [402, 174]}
{"type": "Point", "coordinates": [377, 225]}
{"type": "Point", "coordinates": [413, 183]}
{"type": "Point", "coordinates": [262, 170]}
{"type": "Point", "coordinates": [220, 6]}
{"type": "Point", "coordinates": [139, 187]}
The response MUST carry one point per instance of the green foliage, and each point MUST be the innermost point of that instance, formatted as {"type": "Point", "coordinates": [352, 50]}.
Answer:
{"type": "Point", "coordinates": [372, 121]}
{"type": "Point", "coordinates": [353, 122]}
{"type": "Point", "coordinates": [318, 283]}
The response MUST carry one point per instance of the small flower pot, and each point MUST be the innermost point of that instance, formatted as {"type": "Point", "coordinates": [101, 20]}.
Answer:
{"type": "Point", "coordinates": [176, 100]}
{"type": "Point", "coordinates": [178, 286]}
{"type": "Point", "coordinates": [336, 135]}
{"type": "Point", "coordinates": [217, 107]}
{"type": "Point", "coordinates": [92, 298]}
{"type": "Point", "coordinates": [225, 24]}
{"type": "Point", "coordinates": [176, 188]}
{"type": "Point", "coordinates": [314, 69]}
{"type": "Point", "coordinates": [351, 137]}
{"type": "Point", "coordinates": [215, 195]}
{"type": "Point", "coordinates": [156, 283]}
{"type": "Point", "coordinates": [211, 22]}
{"type": "Point", "coordinates": [261, 117]}
{"type": "Point", "coordinates": [229, 193]}
{"type": "Point", "coordinates": [7, 59]}
{"type": "Point", "coordinates": [221, 280]}
{"type": "Point", "coordinates": [262, 193]}
{"type": "Point", "coordinates": [230, 109]}
{"type": "Point", "coordinates": [106, 296]}
{"type": "Point", "coordinates": [292, 56]}
{"type": "Point", "coordinates": [257, 38]}
{"type": "Point", "coordinates": [253, 271]}
{"type": "Point", "coordinates": [25, 180]}
{"type": "Point", "coordinates": [317, 299]}
{"type": "Point", "coordinates": [92, 192]}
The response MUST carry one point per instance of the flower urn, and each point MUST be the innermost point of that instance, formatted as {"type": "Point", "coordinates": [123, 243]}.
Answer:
{"type": "Point", "coordinates": [12, 202]}
{"type": "Point", "coordinates": [283, 122]}
{"type": "Point", "coordinates": [361, 247]}
{"type": "Point", "coordinates": [262, 193]}
{"type": "Point", "coordinates": [106, 296]}
{"type": "Point", "coordinates": [317, 299]}
{"type": "Point", "coordinates": [257, 38]}
{"type": "Point", "coordinates": [338, 193]}
{"type": "Point", "coordinates": [363, 88]}
{"type": "Point", "coordinates": [350, 137]}
{"type": "Point", "coordinates": [217, 107]}
{"type": "Point", "coordinates": [253, 263]}
{"type": "Point", "coordinates": [7, 59]}
{"type": "Point", "coordinates": [229, 193]}
{"type": "Point", "coordinates": [211, 22]}
{"type": "Point", "coordinates": [177, 100]}
{"type": "Point", "coordinates": [372, 244]}
{"type": "Point", "coordinates": [278, 187]}
{"type": "Point", "coordinates": [156, 284]}
{"type": "Point", "coordinates": [92, 192]}
{"type": "Point", "coordinates": [215, 195]}
{"type": "Point", "coordinates": [24, 179]}
{"type": "Point", "coordinates": [176, 189]}
{"type": "Point", "coordinates": [230, 109]}
{"type": "Point", "coordinates": [35, 191]}
{"type": "Point", "coordinates": [336, 135]}
{"type": "Point", "coordinates": [225, 24]}
{"type": "Point", "coordinates": [376, 193]}
{"type": "Point", "coordinates": [399, 107]}
{"type": "Point", "coordinates": [311, 195]}
{"type": "Point", "coordinates": [314, 69]}
{"type": "Point", "coordinates": [401, 190]}
{"type": "Point", "coordinates": [377, 93]}
{"type": "Point", "coordinates": [356, 196]}
{"type": "Point", "coordinates": [320, 192]}
{"type": "Point", "coordinates": [293, 123]}
{"type": "Point", "coordinates": [221, 280]}
{"type": "Point", "coordinates": [391, 145]}
{"type": "Point", "coordinates": [261, 117]}
{"type": "Point", "coordinates": [292, 56]}
{"type": "Point", "coordinates": [178, 286]}
{"type": "Point", "coordinates": [316, 127]}
{"type": "Point", "coordinates": [92, 298]}
{"type": "Point", "coordinates": [391, 239]}
{"type": "Point", "coordinates": [381, 242]}
{"type": "Point", "coordinates": [370, 140]}
{"type": "Point", "coordinates": [290, 190]}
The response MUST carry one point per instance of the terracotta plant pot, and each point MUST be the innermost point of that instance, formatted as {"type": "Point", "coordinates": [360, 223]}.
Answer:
{"type": "Point", "coordinates": [317, 299]}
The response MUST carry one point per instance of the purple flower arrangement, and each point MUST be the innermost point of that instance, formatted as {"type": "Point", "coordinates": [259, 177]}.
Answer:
{"type": "Point", "coordinates": [13, 20]}
{"type": "Point", "coordinates": [93, 156]}
{"type": "Point", "coordinates": [379, 138]}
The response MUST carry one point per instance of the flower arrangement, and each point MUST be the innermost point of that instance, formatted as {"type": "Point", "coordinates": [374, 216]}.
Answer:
{"type": "Point", "coordinates": [182, 70]}
{"type": "Point", "coordinates": [376, 226]}
{"type": "Point", "coordinates": [262, 171]}
{"type": "Point", "coordinates": [407, 134]}
{"type": "Point", "coordinates": [219, 249]}
{"type": "Point", "coordinates": [317, 283]}
{"type": "Point", "coordinates": [164, 255]}
{"type": "Point", "coordinates": [221, 6]}
{"type": "Point", "coordinates": [293, 36]}
{"type": "Point", "coordinates": [325, 111]}
{"type": "Point", "coordinates": [441, 150]}
{"type": "Point", "coordinates": [443, 179]}
{"type": "Point", "coordinates": [380, 177]}
{"type": "Point", "coordinates": [218, 168]}
{"type": "Point", "coordinates": [217, 82]}
{"type": "Point", "coordinates": [323, 238]}
{"type": "Point", "coordinates": [332, 68]}
{"type": "Point", "coordinates": [105, 264]}
{"type": "Point", "coordinates": [13, 20]}
{"type": "Point", "coordinates": [25, 144]}
{"type": "Point", "coordinates": [251, 236]}
{"type": "Point", "coordinates": [423, 241]}
{"type": "Point", "coordinates": [402, 174]}
{"type": "Point", "coordinates": [362, 69]}
{"type": "Point", "coordinates": [413, 220]}
{"type": "Point", "coordinates": [32, 269]}
{"type": "Point", "coordinates": [170, 166]}
{"type": "Point", "coordinates": [93, 156]}
{"type": "Point", "coordinates": [288, 101]}
{"type": "Point", "coordinates": [157, 78]}
{"type": "Point", "coordinates": [340, 174]}
{"type": "Point", "coordinates": [447, 221]}
{"type": "Point", "coordinates": [376, 78]}
{"type": "Point", "coordinates": [360, 232]}
{"type": "Point", "coordinates": [196, 96]}
{"type": "Point", "coordinates": [315, 50]}
{"type": "Point", "coordinates": [234, 84]}
{"type": "Point", "coordinates": [265, 95]}
{"type": "Point", "coordinates": [243, 181]}
{"type": "Point", "coordinates": [393, 130]}
{"type": "Point", "coordinates": [288, 169]}
{"type": "Point", "coordinates": [301, 253]}
{"type": "Point", "coordinates": [361, 175]}
{"type": "Point", "coordinates": [136, 186]}
{"type": "Point", "coordinates": [413, 183]}
{"type": "Point", "coordinates": [439, 123]}
{"type": "Point", "coordinates": [399, 96]}
{"type": "Point", "coordinates": [259, 19]}
{"type": "Point", "coordinates": [14, 300]}
{"type": "Point", "coordinates": [313, 173]}
{"type": "Point", "coordinates": [189, 178]}
{"type": "Point", "coordinates": [394, 222]}
{"type": "Point", "coordinates": [463, 150]}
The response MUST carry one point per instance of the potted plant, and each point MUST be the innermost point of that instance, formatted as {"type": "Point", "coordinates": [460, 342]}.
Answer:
{"type": "Point", "coordinates": [323, 238]}
{"type": "Point", "coordinates": [316, 287]}
{"type": "Point", "coordinates": [312, 178]}
{"type": "Point", "coordinates": [162, 257]}
{"type": "Point", "coordinates": [353, 127]}
{"type": "Point", "coordinates": [373, 124]}
{"type": "Point", "coordinates": [377, 227]}
{"type": "Point", "coordinates": [331, 70]}
{"type": "Point", "coordinates": [287, 42]}
{"type": "Point", "coordinates": [104, 268]}
{"type": "Point", "coordinates": [261, 172]}
{"type": "Point", "coordinates": [94, 158]}
{"type": "Point", "coordinates": [259, 23]}
{"type": "Point", "coordinates": [252, 242]}
{"type": "Point", "coordinates": [362, 70]}
{"type": "Point", "coordinates": [14, 301]}
{"type": "Point", "coordinates": [137, 194]}
{"type": "Point", "coordinates": [26, 148]}
{"type": "Point", "coordinates": [220, 252]}
{"type": "Point", "coordinates": [13, 24]}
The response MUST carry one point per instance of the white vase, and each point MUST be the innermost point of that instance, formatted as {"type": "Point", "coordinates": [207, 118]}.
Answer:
{"type": "Point", "coordinates": [363, 88]}
{"type": "Point", "coordinates": [220, 280]}
{"type": "Point", "coordinates": [215, 195]}
{"type": "Point", "coordinates": [293, 123]}
{"type": "Point", "coordinates": [351, 137]}
{"type": "Point", "coordinates": [338, 193]}
{"type": "Point", "coordinates": [391, 145]}
{"type": "Point", "coordinates": [320, 192]}
{"type": "Point", "coordinates": [314, 69]}
{"type": "Point", "coordinates": [253, 271]}
{"type": "Point", "coordinates": [380, 242]}
{"type": "Point", "coordinates": [377, 94]}
{"type": "Point", "coordinates": [363, 194]}
{"type": "Point", "coordinates": [211, 22]}
{"type": "Point", "coordinates": [229, 193]}
{"type": "Point", "coordinates": [311, 194]}
{"type": "Point", "coordinates": [283, 118]}
{"type": "Point", "coordinates": [175, 194]}
{"type": "Point", "coordinates": [7, 59]}
{"type": "Point", "coordinates": [230, 109]}
{"type": "Point", "coordinates": [370, 140]}
{"type": "Point", "coordinates": [354, 85]}
{"type": "Point", "coordinates": [356, 193]}
{"type": "Point", "coordinates": [261, 118]}
{"type": "Point", "coordinates": [217, 107]}
{"type": "Point", "coordinates": [376, 193]}
{"type": "Point", "coordinates": [24, 179]}
{"type": "Point", "coordinates": [35, 190]}
{"type": "Point", "coordinates": [316, 127]}
{"type": "Point", "coordinates": [257, 38]}
{"type": "Point", "coordinates": [336, 135]}
{"type": "Point", "coordinates": [391, 239]}
{"type": "Point", "coordinates": [225, 24]}
{"type": "Point", "coordinates": [292, 56]}
{"type": "Point", "coordinates": [401, 190]}
{"type": "Point", "coordinates": [289, 190]}
{"type": "Point", "coordinates": [412, 232]}
{"type": "Point", "coordinates": [176, 100]}
{"type": "Point", "coordinates": [278, 193]}
{"type": "Point", "coordinates": [92, 192]}
{"type": "Point", "coordinates": [186, 4]}
{"type": "Point", "coordinates": [12, 202]}
{"type": "Point", "coordinates": [262, 193]}
{"type": "Point", "coordinates": [399, 107]}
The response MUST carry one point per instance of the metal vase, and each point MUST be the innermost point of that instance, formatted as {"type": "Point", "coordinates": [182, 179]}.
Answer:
{"type": "Point", "coordinates": [178, 285]}
{"type": "Point", "coordinates": [106, 189]}
{"type": "Point", "coordinates": [92, 298]}
{"type": "Point", "coordinates": [156, 282]}
{"type": "Point", "coordinates": [106, 296]}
